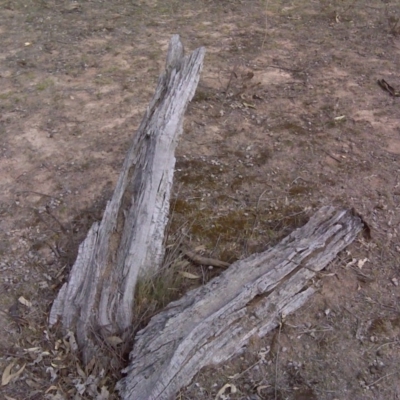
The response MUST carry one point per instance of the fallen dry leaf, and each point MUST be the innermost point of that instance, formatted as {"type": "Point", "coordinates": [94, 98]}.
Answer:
{"type": "Point", "coordinates": [80, 371]}
{"type": "Point", "coordinates": [188, 275]}
{"type": "Point", "coordinates": [221, 392]}
{"type": "Point", "coordinates": [104, 395]}
{"type": "Point", "coordinates": [181, 264]}
{"type": "Point", "coordinates": [248, 105]}
{"type": "Point", "coordinates": [32, 349]}
{"type": "Point", "coordinates": [72, 341]}
{"type": "Point", "coordinates": [200, 248]}
{"type": "Point", "coordinates": [7, 376]}
{"type": "Point", "coordinates": [261, 388]}
{"type": "Point", "coordinates": [57, 396]}
{"type": "Point", "coordinates": [53, 373]}
{"type": "Point", "coordinates": [114, 340]}
{"type": "Point", "coordinates": [25, 302]}
{"type": "Point", "coordinates": [50, 388]}
{"type": "Point", "coordinates": [361, 263]}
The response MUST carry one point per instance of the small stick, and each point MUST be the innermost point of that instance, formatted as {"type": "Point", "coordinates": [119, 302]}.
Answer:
{"type": "Point", "coordinates": [204, 260]}
{"type": "Point", "coordinates": [382, 377]}
{"type": "Point", "coordinates": [283, 68]}
{"type": "Point", "coordinates": [332, 156]}
{"type": "Point", "coordinates": [48, 211]}
{"type": "Point", "coordinates": [233, 74]}
{"type": "Point", "coordinates": [276, 362]}
{"type": "Point", "coordinates": [256, 217]}
{"type": "Point", "coordinates": [40, 194]}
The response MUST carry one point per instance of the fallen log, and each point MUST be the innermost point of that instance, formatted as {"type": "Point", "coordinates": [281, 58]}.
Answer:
{"type": "Point", "coordinates": [212, 323]}
{"type": "Point", "coordinates": [128, 242]}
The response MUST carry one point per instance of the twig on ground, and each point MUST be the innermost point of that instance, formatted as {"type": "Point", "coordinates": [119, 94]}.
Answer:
{"type": "Point", "coordinates": [39, 215]}
{"type": "Point", "coordinates": [256, 217]}
{"type": "Point", "coordinates": [48, 211]}
{"type": "Point", "coordinates": [332, 156]}
{"type": "Point", "coordinates": [381, 378]}
{"type": "Point", "coordinates": [233, 74]}
{"type": "Point", "coordinates": [53, 249]}
{"type": "Point", "coordinates": [283, 68]}
{"type": "Point", "coordinates": [277, 359]}
{"type": "Point", "coordinates": [40, 194]}
{"type": "Point", "coordinates": [266, 25]}
{"type": "Point", "coordinates": [385, 344]}
{"type": "Point", "coordinates": [197, 259]}
{"type": "Point", "coordinates": [237, 376]}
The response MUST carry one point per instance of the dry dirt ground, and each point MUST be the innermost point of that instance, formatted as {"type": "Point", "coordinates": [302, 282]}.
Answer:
{"type": "Point", "coordinates": [288, 117]}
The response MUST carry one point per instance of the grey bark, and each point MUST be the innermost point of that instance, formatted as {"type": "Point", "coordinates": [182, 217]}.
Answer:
{"type": "Point", "coordinates": [128, 242]}
{"type": "Point", "coordinates": [209, 324]}
{"type": "Point", "coordinates": [212, 323]}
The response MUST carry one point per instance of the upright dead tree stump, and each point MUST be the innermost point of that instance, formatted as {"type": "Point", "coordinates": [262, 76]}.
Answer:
{"type": "Point", "coordinates": [209, 324]}
{"type": "Point", "coordinates": [128, 242]}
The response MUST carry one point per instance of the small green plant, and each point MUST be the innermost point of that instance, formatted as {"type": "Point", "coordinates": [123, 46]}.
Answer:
{"type": "Point", "coordinates": [102, 80]}
{"type": "Point", "coordinates": [5, 96]}
{"type": "Point", "coordinates": [154, 293]}
{"type": "Point", "coordinates": [111, 70]}
{"type": "Point", "coordinates": [44, 84]}
{"type": "Point", "coordinates": [394, 26]}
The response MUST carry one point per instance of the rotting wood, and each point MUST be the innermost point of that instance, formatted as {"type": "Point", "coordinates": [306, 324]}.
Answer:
{"type": "Point", "coordinates": [128, 242]}
{"type": "Point", "coordinates": [214, 322]}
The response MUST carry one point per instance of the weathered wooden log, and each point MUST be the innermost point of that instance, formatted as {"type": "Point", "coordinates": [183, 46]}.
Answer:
{"type": "Point", "coordinates": [212, 323]}
{"type": "Point", "coordinates": [128, 243]}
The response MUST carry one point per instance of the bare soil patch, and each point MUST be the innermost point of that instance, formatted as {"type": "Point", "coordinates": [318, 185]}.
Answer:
{"type": "Point", "coordinates": [288, 117]}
